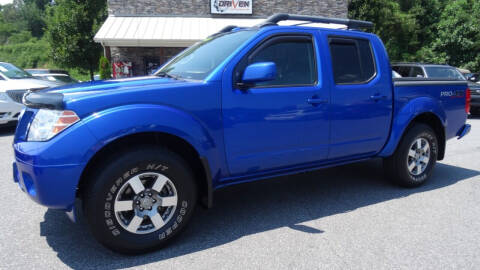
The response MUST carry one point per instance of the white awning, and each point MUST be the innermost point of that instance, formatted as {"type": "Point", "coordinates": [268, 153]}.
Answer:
{"type": "Point", "coordinates": [171, 31]}
{"type": "Point", "coordinates": [162, 31]}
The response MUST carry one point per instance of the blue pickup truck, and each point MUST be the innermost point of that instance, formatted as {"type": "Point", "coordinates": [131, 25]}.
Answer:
{"type": "Point", "coordinates": [245, 104]}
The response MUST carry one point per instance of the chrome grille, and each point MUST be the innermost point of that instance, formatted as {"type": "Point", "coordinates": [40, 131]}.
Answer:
{"type": "Point", "coordinates": [16, 95]}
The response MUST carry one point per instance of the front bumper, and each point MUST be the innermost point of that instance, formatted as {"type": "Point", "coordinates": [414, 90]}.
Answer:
{"type": "Point", "coordinates": [9, 111]}
{"type": "Point", "coordinates": [49, 172]}
{"type": "Point", "coordinates": [51, 186]}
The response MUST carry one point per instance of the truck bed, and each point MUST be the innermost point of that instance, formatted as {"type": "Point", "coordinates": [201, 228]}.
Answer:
{"type": "Point", "coordinates": [447, 98]}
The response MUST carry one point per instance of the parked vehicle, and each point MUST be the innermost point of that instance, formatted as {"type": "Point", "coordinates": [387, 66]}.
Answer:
{"type": "Point", "coordinates": [473, 77]}
{"type": "Point", "coordinates": [14, 82]}
{"type": "Point", "coordinates": [420, 70]}
{"type": "Point", "coordinates": [243, 105]}
{"type": "Point", "coordinates": [475, 99]}
{"type": "Point", "coordinates": [474, 87]}
{"type": "Point", "coordinates": [35, 71]}
{"type": "Point", "coordinates": [463, 71]}
{"type": "Point", "coordinates": [59, 78]}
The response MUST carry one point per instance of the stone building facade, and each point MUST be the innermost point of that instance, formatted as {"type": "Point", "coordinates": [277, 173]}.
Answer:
{"type": "Point", "coordinates": [144, 56]}
{"type": "Point", "coordinates": [261, 8]}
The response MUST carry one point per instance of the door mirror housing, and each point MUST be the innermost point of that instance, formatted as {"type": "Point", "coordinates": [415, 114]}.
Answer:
{"type": "Point", "coordinates": [259, 72]}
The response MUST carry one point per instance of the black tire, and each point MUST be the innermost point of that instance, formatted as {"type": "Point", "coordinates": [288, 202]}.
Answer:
{"type": "Point", "coordinates": [396, 166]}
{"type": "Point", "coordinates": [111, 178]}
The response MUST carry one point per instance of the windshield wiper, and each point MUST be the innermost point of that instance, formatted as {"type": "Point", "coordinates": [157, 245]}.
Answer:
{"type": "Point", "coordinates": [167, 75]}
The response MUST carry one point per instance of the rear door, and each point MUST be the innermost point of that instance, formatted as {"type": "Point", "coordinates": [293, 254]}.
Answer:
{"type": "Point", "coordinates": [361, 99]}
{"type": "Point", "coordinates": [279, 123]}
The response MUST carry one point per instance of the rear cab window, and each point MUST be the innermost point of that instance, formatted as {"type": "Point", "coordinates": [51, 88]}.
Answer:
{"type": "Point", "coordinates": [352, 60]}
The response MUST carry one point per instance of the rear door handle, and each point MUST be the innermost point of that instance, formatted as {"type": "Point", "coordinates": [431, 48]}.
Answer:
{"type": "Point", "coordinates": [315, 101]}
{"type": "Point", "coordinates": [377, 97]}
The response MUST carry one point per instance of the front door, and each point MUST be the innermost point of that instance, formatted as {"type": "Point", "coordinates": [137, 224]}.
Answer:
{"type": "Point", "coordinates": [279, 123]}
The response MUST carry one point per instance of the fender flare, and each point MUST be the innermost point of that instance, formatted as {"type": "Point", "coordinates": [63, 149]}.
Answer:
{"type": "Point", "coordinates": [137, 119]}
{"type": "Point", "coordinates": [406, 115]}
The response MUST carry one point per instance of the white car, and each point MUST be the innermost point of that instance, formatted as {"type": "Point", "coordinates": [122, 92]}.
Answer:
{"type": "Point", "coordinates": [14, 82]}
{"type": "Point", "coordinates": [59, 78]}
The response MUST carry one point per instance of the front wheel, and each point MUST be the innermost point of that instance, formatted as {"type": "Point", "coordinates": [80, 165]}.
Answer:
{"type": "Point", "coordinates": [412, 163]}
{"type": "Point", "coordinates": [140, 200]}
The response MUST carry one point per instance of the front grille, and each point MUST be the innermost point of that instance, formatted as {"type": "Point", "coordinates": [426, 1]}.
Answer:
{"type": "Point", "coordinates": [16, 95]}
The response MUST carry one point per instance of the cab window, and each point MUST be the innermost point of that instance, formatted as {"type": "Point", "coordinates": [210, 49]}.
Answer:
{"type": "Point", "coordinates": [352, 60]}
{"type": "Point", "coordinates": [294, 57]}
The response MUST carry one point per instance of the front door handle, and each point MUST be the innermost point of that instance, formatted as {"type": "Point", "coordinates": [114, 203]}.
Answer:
{"type": "Point", "coordinates": [315, 101]}
{"type": "Point", "coordinates": [377, 97]}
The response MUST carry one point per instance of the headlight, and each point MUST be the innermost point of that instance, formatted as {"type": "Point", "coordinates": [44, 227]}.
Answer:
{"type": "Point", "coordinates": [48, 123]}
{"type": "Point", "coordinates": [3, 96]}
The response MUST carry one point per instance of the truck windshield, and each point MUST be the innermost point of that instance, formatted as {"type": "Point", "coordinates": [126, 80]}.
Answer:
{"type": "Point", "coordinates": [202, 58]}
{"type": "Point", "coordinates": [13, 72]}
{"type": "Point", "coordinates": [444, 72]}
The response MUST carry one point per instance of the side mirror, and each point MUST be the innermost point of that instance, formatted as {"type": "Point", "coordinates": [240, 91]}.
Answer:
{"type": "Point", "coordinates": [472, 79]}
{"type": "Point", "coordinates": [259, 72]}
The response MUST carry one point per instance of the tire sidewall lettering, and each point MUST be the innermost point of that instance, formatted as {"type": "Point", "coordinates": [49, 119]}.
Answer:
{"type": "Point", "coordinates": [434, 150]}
{"type": "Point", "coordinates": [108, 205]}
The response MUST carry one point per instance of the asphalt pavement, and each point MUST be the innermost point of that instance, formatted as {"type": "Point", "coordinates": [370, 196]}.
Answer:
{"type": "Point", "coordinates": [346, 217]}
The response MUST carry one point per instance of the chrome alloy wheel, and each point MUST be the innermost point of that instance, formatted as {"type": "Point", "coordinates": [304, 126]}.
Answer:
{"type": "Point", "coordinates": [145, 203]}
{"type": "Point", "coordinates": [418, 156]}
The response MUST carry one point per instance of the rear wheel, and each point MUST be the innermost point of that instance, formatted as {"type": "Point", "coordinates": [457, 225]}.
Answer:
{"type": "Point", "coordinates": [140, 200]}
{"type": "Point", "coordinates": [412, 163]}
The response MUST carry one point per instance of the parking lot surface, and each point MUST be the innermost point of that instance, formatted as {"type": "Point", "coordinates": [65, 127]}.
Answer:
{"type": "Point", "coordinates": [346, 217]}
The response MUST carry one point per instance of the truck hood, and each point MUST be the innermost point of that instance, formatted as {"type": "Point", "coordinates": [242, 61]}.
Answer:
{"type": "Point", "coordinates": [103, 87]}
{"type": "Point", "coordinates": [25, 84]}
{"type": "Point", "coordinates": [88, 97]}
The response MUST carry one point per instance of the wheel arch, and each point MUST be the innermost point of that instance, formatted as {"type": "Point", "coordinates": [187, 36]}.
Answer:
{"type": "Point", "coordinates": [199, 164]}
{"type": "Point", "coordinates": [433, 121]}
{"type": "Point", "coordinates": [419, 110]}
{"type": "Point", "coordinates": [428, 118]}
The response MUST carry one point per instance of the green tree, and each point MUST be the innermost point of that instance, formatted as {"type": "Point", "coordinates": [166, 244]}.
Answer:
{"type": "Point", "coordinates": [24, 15]}
{"type": "Point", "coordinates": [105, 68]}
{"type": "Point", "coordinates": [71, 26]}
{"type": "Point", "coordinates": [426, 14]}
{"type": "Point", "coordinates": [41, 4]}
{"type": "Point", "coordinates": [438, 31]}
{"type": "Point", "coordinates": [394, 27]}
{"type": "Point", "coordinates": [458, 37]}
{"type": "Point", "coordinates": [33, 16]}
{"type": "Point", "coordinates": [29, 54]}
